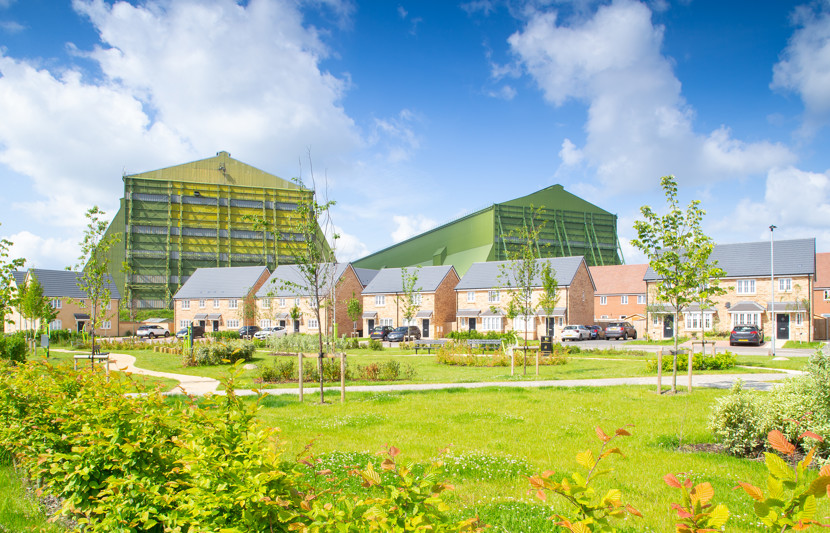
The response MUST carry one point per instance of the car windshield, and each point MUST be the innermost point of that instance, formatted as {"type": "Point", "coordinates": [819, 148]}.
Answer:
{"type": "Point", "coordinates": [745, 329]}
{"type": "Point", "coordinates": [570, 327]}
{"type": "Point", "coordinates": [377, 329]}
{"type": "Point", "coordinates": [615, 325]}
{"type": "Point", "coordinates": [402, 329]}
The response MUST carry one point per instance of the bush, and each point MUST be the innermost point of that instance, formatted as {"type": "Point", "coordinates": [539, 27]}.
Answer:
{"type": "Point", "coordinates": [222, 335]}
{"type": "Point", "coordinates": [218, 353]}
{"type": "Point", "coordinates": [735, 422]}
{"type": "Point", "coordinates": [375, 344]}
{"type": "Point", "coordinates": [458, 353]}
{"type": "Point", "coordinates": [473, 334]}
{"type": "Point", "coordinates": [721, 361]}
{"type": "Point", "coordinates": [13, 348]}
{"type": "Point", "coordinates": [282, 371]}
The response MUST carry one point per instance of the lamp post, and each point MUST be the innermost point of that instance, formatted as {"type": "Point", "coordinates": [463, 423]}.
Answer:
{"type": "Point", "coordinates": [774, 322]}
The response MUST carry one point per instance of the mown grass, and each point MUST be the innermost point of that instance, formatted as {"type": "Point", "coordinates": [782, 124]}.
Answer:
{"type": "Point", "coordinates": [19, 511]}
{"type": "Point", "coordinates": [501, 434]}
{"type": "Point", "coordinates": [802, 344]}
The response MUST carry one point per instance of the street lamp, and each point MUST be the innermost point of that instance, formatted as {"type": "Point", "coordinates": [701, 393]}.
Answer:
{"type": "Point", "coordinates": [773, 321]}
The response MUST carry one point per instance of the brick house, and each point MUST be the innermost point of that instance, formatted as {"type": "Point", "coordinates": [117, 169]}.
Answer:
{"type": "Point", "coordinates": [72, 304]}
{"type": "Point", "coordinates": [621, 294]}
{"type": "Point", "coordinates": [220, 298]}
{"type": "Point", "coordinates": [383, 300]}
{"type": "Point", "coordinates": [755, 295]}
{"type": "Point", "coordinates": [821, 298]}
{"type": "Point", "coordinates": [283, 292]}
{"type": "Point", "coordinates": [482, 299]}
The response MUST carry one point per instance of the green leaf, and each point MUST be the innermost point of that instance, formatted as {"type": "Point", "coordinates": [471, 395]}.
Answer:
{"type": "Point", "coordinates": [778, 467]}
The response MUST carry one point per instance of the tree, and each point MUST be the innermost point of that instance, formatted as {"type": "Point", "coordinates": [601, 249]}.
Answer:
{"type": "Point", "coordinates": [93, 266]}
{"type": "Point", "coordinates": [678, 252]}
{"type": "Point", "coordinates": [8, 287]}
{"type": "Point", "coordinates": [36, 308]}
{"type": "Point", "coordinates": [550, 291]}
{"type": "Point", "coordinates": [520, 273]}
{"type": "Point", "coordinates": [411, 295]}
{"type": "Point", "coordinates": [354, 310]}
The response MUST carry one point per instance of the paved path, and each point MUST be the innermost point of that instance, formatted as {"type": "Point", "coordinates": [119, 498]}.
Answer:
{"type": "Point", "coordinates": [193, 385]}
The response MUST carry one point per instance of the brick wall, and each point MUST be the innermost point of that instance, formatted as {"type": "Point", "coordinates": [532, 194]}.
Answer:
{"type": "Point", "coordinates": [444, 306]}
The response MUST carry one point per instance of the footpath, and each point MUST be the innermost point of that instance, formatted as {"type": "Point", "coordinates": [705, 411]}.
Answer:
{"type": "Point", "coordinates": [198, 386]}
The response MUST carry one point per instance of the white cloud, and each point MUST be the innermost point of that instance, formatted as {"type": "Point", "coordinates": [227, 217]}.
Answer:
{"type": "Point", "coordinates": [570, 154]}
{"type": "Point", "coordinates": [408, 226]}
{"type": "Point", "coordinates": [639, 127]}
{"type": "Point", "coordinates": [43, 252]}
{"type": "Point", "coordinates": [506, 92]}
{"type": "Point", "coordinates": [11, 27]}
{"type": "Point", "coordinates": [804, 66]}
{"type": "Point", "coordinates": [396, 136]}
{"type": "Point", "coordinates": [349, 247]}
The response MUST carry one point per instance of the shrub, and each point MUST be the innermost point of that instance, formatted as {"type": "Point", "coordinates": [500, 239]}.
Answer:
{"type": "Point", "coordinates": [216, 353]}
{"type": "Point", "coordinates": [223, 335]}
{"type": "Point", "coordinates": [13, 348]}
{"type": "Point", "coordinates": [458, 353]}
{"type": "Point", "coordinates": [375, 344]}
{"type": "Point", "coordinates": [721, 361]}
{"type": "Point", "coordinates": [282, 371]}
{"type": "Point", "coordinates": [735, 421]}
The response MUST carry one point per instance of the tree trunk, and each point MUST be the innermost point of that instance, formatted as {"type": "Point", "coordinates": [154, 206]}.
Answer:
{"type": "Point", "coordinates": [674, 359]}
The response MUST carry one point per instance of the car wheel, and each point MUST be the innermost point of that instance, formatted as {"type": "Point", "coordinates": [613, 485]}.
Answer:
{"type": "Point", "coordinates": [625, 336]}
{"type": "Point", "coordinates": [634, 336]}
{"type": "Point", "coordinates": [166, 333]}
{"type": "Point", "coordinates": [152, 335]}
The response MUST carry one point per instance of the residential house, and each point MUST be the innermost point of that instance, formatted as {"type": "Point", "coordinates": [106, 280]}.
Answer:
{"type": "Point", "coordinates": [219, 298]}
{"type": "Point", "coordinates": [821, 298]}
{"type": "Point", "coordinates": [13, 320]}
{"type": "Point", "coordinates": [621, 294]}
{"type": "Point", "coordinates": [482, 298]}
{"type": "Point", "coordinates": [286, 290]}
{"type": "Point", "coordinates": [755, 294]}
{"type": "Point", "coordinates": [384, 299]}
{"type": "Point", "coordinates": [72, 304]}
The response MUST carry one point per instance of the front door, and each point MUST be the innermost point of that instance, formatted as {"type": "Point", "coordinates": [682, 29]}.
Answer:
{"type": "Point", "coordinates": [215, 325]}
{"type": "Point", "coordinates": [81, 325]}
{"type": "Point", "coordinates": [425, 328]}
{"type": "Point", "coordinates": [551, 321]}
{"type": "Point", "coordinates": [471, 324]}
{"type": "Point", "coordinates": [296, 326]}
{"type": "Point", "coordinates": [370, 324]}
{"type": "Point", "coordinates": [783, 325]}
{"type": "Point", "coordinates": [668, 326]}
{"type": "Point", "coordinates": [282, 324]}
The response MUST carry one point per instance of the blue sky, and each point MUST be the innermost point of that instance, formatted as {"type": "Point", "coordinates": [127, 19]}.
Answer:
{"type": "Point", "coordinates": [418, 112]}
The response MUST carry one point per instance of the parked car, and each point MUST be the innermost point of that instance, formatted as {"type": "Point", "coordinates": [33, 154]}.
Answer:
{"type": "Point", "coordinates": [746, 335]}
{"type": "Point", "coordinates": [575, 333]}
{"type": "Point", "coordinates": [398, 334]}
{"type": "Point", "coordinates": [151, 331]}
{"type": "Point", "coordinates": [263, 334]}
{"type": "Point", "coordinates": [198, 331]}
{"type": "Point", "coordinates": [597, 332]}
{"type": "Point", "coordinates": [380, 332]}
{"type": "Point", "coordinates": [620, 330]}
{"type": "Point", "coordinates": [246, 332]}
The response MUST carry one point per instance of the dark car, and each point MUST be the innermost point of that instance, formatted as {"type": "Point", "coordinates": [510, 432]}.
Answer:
{"type": "Point", "coordinates": [746, 335]}
{"type": "Point", "coordinates": [597, 332]}
{"type": "Point", "coordinates": [198, 331]}
{"type": "Point", "coordinates": [398, 334]}
{"type": "Point", "coordinates": [620, 330]}
{"type": "Point", "coordinates": [246, 332]}
{"type": "Point", "coordinates": [380, 332]}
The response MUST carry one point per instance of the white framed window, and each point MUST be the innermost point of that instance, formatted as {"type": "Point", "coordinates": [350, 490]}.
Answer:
{"type": "Point", "coordinates": [603, 300]}
{"type": "Point", "coordinates": [799, 319]}
{"type": "Point", "coordinates": [623, 316]}
{"type": "Point", "coordinates": [201, 304]}
{"type": "Point", "coordinates": [604, 316]}
{"type": "Point", "coordinates": [313, 324]}
{"type": "Point", "coordinates": [641, 299]}
{"type": "Point", "coordinates": [232, 304]}
{"type": "Point", "coordinates": [471, 296]}
{"type": "Point", "coordinates": [524, 323]}
{"type": "Point", "coordinates": [385, 321]}
{"type": "Point", "coordinates": [282, 302]}
{"type": "Point", "coordinates": [416, 298]}
{"type": "Point", "coordinates": [624, 299]}
{"type": "Point", "coordinates": [233, 323]}
{"type": "Point", "coordinates": [266, 303]}
{"type": "Point", "coordinates": [58, 304]}
{"type": "Point", "coordinates": [694, 321]}
{"type": "Point", "coordinates": [655, 320]}
{"type": "Point", "coordinates": [785, 284]}
{"type": "Point", "coordinates": [409, 322]}
{"type": "Point", "coordinates": [106, 324]}
{"type": "Point", "coordinates": [56, 324]}
{"type": "Point", "coordinates": [380, 301]}
{"type": "Point", "coordinates": [296, 302]}
{"type": "Point", "coordinates": [265, 323]}
{"type": "Point", "coordinates": [491, 323]}
{"type": "Point", "coordinates": [493, 297]}
{"type": "Point", "coordinates": [746, 319]}
{"type": "Point", "coordinates": [108, 307]}
{"type": "Point", "coordinates": [216, 303]}
{"type": "Point", "coordinates": [185, 304]}
{"type": "Point", "coordinates": [746, 286]}
{"type": "Point", "coordinates": [184, 323]}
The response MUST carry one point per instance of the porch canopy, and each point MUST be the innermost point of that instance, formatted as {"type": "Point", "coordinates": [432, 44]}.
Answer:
{"type": "Point", "coordinates": [747, 307]}
{"type": "Point", "coordinates": [423, 314]}
{"type": "Point", "coordinates": [467, 313]}
{"type": "Point", "coordinates": [787, 307]}
{"type": "Point", "coordinates": [557, 311]}
{"type": "Point", "coordinates": [200, 316]}
{"type": "Point", "coordinates": [371, 314]}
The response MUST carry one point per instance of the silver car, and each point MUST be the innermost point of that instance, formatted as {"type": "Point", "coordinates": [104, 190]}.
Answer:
{"type": "Point", "coordinates": [263, 334]}
{"type": "Point", "coordinates": [575, 333]}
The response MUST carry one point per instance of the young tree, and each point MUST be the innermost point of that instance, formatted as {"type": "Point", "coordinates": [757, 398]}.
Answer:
{"type": "Point", "coordinates": [411, 295]}
{"type": "Point", "coordinates": [520, 274]}
{"type": "Point", "coordinates": [8, 288]}
{"type": "Point", "coordinates": [93, 264]}
{"type": "Point", "coordinates": [354, 310]}
{"type": "Point", "coordinates": [678, 253]}
{"type": "Point", "coordinates": [36, 308]}
{"type": "Point", "coordinates": [550, 292]}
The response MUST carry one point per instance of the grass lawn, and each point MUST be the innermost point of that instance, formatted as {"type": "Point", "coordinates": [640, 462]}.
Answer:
{"type": "Point", "coordinates": [659, 342]}
{"type": "Point", "coordinates": [801, 344]}
{"type": "Point", "coordinates": [499, 436]}
{"type": "Point", "coordinates": [19, 511]}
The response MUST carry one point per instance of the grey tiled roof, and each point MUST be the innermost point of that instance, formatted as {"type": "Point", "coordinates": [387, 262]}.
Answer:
{"type": "Point", "coordinates": [19, 277]}
{"type": "Point", "coordinates": [64, 284]}
{"type": "Point", "coordinates": [792, 258]}
{"type": "Point", "coordinates": [287, 281]}
{"type": "Point", "coordinates": [365, 275]}
{"type": "Point", "coordinates": [388, 280]}
{"type": "Point", "coordinates": [486, 275]}
{"type": "Point", "coordinates": [220, 282]}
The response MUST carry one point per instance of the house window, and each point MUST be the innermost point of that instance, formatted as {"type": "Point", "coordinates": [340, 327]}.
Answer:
{"type": "Point", "coordinates": [184, 323]}
{"type": "Point", "coordinates": [380, 301]}
{"type": "Point", "coordinates": [201, 304]}
{"type": "Point", "coordinates": [624, 299]}
{"type": "Point", "coordinates": [827, 295]}
{"type": "Point", "coordinates": [265, 323]}
{"type": "Point", "coordinates": [296, 302]}
{"type": "Point", "coordinates": [56, 324]}
{"type": "Point", "coordinates": [109, 306]}
{"type": "Point", "coordinates": [106, 324]}
{"type": "Point", "coordinates": [232, 304]}
{"type": "Point", "coordinates": [641, 299]}
{"type": "Point", "coordinates": [524, 323]}
{"type": "Point", "coordinates": [185, 304]}
{"type": "Point", "coordinates": [385, 321]}
{"type": "Point", "coordinates": [313, 324]}
{"type": "Point", "coordinates": [57, 303]}
{"type": "Point", "coordinates": [81, 303]}
{"type": "Point", "coordinates": [409, 322]}
{"type": "Point", "coordinates": [655, 320]}
{"type": "Point", "coordinates": [603, 300]}
{"type": "Point", "coordinates": [746, 319]}
{"type": "Point", "coordinates": [746, 286]}
{"type": "Point", "coordinates": [216, 304]}
{"type": "Point", "coordinates": [785, 284]}
{"type": "Point", "coordinates": [623, 316]}
{"type": "Point", "coordinates": [693, 321]}
{"type": "Point", "coordinates": [493, 296]}
{"type": "Point", "coordinates": [266, 303]}
{"type": "Point", "coordinates": [282, 302]}
{"type": "Point", "coordinates": [416, 299]}
{"type": "Point", "coordinates": [491, 323]}
{"type": "Point", "coordinates": [471, 296]}
{"type": "Point", "coordinates": [799, 319]}
{"type": "Point", "coordinates": [604, 316]}
{"type": "Point", "coordinates": [233, 323]}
